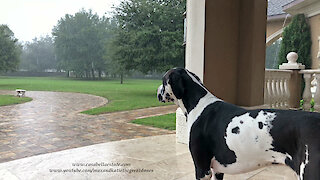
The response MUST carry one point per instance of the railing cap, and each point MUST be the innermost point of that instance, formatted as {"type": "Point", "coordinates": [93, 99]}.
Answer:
{"type": "Point", "coordinates": [292, 58]}
{"type": "Point", "coordinates": [279, 70]}
{"type": "Point", "coordinates": [310, 71]}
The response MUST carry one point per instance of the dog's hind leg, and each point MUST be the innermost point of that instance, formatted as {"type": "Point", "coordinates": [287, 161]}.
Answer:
{"type": "Point", "coordinates": [311, 171]}
{"type": "Point", "coordinates": [306, 164]}
{"type": "Point", "coordinates": [310, 168]}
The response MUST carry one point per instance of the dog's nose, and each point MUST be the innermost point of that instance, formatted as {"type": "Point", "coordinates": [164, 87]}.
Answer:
{"type": "Point", "coordinates": [160, 98]}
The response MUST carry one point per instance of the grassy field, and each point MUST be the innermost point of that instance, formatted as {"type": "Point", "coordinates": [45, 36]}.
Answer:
{"type": "Point", "coordinates": [10, 99]}
{"type": "Point", "coordinates": [133, 94]}
{"type": "Point", "coordinates": [167, 121]}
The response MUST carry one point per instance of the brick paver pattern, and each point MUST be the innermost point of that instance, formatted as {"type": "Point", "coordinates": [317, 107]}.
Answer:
{"type": "Point", "coordinates": [52, 122]}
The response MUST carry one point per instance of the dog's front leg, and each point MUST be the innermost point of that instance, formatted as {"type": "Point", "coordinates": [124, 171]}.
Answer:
{"type": "Point", "coordinates": [201, 158]}
{"type": "Point", "coordinates": [219, 176]}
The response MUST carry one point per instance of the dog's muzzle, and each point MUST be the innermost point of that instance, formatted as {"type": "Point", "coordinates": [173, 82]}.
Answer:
{"type": "Point", "coordinates": [163, 95]}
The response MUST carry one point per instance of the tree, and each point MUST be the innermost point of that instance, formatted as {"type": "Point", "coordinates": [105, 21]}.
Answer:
{"type": "Point", "coordinates": [10, 50]}
{"type": "Point", "coordinates": [148, 35]}
{"type": "Point", "coordinates": [79, 43]}
{"type": "Point", "coordinates": [272, 52]}
{"type": "Point", "coordinates": [297, 38]}
{"type": "Point", "coordinates": [38, 55]}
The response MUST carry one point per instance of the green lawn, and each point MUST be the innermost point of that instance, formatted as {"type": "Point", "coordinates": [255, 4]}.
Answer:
{"type": "Point", "coordinates": [167, 121]}
{"type": "Point", "coordinates": [133, 94]}
{"type": "Point", "coordinates": [10, 99]}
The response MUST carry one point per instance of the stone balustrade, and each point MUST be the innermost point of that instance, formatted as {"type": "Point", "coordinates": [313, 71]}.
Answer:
{"type": "Point", "coordinates": [276, 91]}
{"type": "Point", "coordinates": [308, 75]}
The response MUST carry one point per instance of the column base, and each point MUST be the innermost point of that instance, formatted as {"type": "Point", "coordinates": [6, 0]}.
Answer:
{"type": "Point", "coordinates": [181, 128]}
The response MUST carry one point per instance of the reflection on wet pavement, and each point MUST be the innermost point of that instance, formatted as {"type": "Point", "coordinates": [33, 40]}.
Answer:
{"type": "Point", "coordinates": [52, 122]}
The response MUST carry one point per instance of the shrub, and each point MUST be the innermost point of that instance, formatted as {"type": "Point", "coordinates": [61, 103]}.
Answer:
{"type": "Point", "coordinates": [296, 38]}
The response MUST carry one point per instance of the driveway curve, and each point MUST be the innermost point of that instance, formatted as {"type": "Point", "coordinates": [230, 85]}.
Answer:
{"type": "Point", "coordinates": [52, 122]}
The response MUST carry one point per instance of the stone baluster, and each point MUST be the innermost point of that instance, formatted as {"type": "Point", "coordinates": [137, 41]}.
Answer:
{"type": "Point", "coordinates": [278, 93]}
{"type": "Point", "coordinates": [273, 92]}
{"type": "Point", "coordinates": [318, 55]}
{"type": "Point", "coordinates": [266, 93]}
{"type": "Point", "coordinates": [307, 91]}
{"type": "Point", "coordinates": [294, 82]}
{"type": "Point", "coordinates": [282, 93]}
{"type": "Point", "coordinates": [317, 94]}
{"type": "Point", "coordinates": [286, 91]}
{"type": "Point", "coordinates": [269, 91]}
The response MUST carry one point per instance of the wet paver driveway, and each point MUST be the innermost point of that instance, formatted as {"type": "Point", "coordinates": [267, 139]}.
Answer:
{"type": "Point", "coordinates": [52, 122]}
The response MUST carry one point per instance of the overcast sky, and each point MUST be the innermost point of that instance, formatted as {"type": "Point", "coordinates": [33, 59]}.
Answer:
{"type": "Point", "coordinates": [34, 18]}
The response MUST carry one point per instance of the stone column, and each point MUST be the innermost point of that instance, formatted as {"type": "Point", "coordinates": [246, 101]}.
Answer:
{"type": "Point", "coordinates": [318, 55]}
{"type": "Point", "coordinates": [295, 80]}
{"type": "Point", "coordinates": [225, 47]}
{"type": "Point", "coordinates": [235, 50]}
{"type": "Point", "coordinates": [182, 135]}
{"type": "Point", "coordinates": [195, 36]}
{"type": "Point", "coordinates": [194, 55]}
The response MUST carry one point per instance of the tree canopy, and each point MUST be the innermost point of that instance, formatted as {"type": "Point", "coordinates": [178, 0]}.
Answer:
{"type": "Point", "coordinates": [80, 43]}
{"type": "Point", "coordinates": [141, 35]}
{"type": "Point", "coordinates": [272, 52]}
{"type": "Point", "coordinates": [297, 38]}
{"type": "Point", "coordinates": [148, 35]}
{"type": "Point", "coordinates": [10, 50]}
{"type": "Point", "coordinates": [38, 55]}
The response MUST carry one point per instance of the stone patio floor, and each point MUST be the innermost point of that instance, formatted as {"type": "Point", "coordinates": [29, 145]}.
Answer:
{"type": "Point", "coordinates": [155, 157]}
{"type": "Point", "coordinates": [52, 122]}
{"type": "Point", "coordinates": [48, 138]}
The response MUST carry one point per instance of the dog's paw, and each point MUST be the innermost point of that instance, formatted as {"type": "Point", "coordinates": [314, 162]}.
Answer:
{"type": "Point", "coordinates": [207, 176]}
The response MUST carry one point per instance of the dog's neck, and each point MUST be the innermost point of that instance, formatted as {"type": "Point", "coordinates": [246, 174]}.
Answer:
{"type": "Point", "coordinates": [195, 93]}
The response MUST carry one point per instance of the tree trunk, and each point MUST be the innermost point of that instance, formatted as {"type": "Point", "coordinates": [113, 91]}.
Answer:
{"type": "Point", "coordinates": [99, 74]}
{"type": "Point", "coordinates": [92, 72]}
{"type": "Point", "coordinates": [121, 78]}
{"type": "Point", "coordinates": [68, 73]}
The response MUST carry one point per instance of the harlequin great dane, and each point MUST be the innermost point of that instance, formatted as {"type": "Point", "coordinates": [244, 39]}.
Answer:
{"type": "Point", "coordinates": [232, 140]}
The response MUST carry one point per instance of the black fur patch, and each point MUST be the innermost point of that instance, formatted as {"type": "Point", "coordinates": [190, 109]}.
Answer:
{"type": "Point", "coordinates": [235, 130]}
{"type": "Point", "coordinates": [256, 139]}
{"type": "Point", "coordinates": [260, 125]}
{"type": "Point", "coordinates": [254, 113]}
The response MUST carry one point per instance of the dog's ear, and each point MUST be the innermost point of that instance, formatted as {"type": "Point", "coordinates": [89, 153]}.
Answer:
{"type": "Point", "coordinates": [176, 82]}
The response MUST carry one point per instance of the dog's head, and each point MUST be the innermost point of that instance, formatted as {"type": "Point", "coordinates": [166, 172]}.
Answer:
{"type": "Point", "coordinates": [174, 84]}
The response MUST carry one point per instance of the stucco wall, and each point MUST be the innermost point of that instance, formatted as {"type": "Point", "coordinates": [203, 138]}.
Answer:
{"type": "Point", "coordinates": [274, 26]}
{"type": "Point", "coordinates": [315, 33]}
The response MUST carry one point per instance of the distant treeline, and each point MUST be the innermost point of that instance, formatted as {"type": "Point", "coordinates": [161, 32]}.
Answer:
{"type": "Point", "coordinates": [140, 36]}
